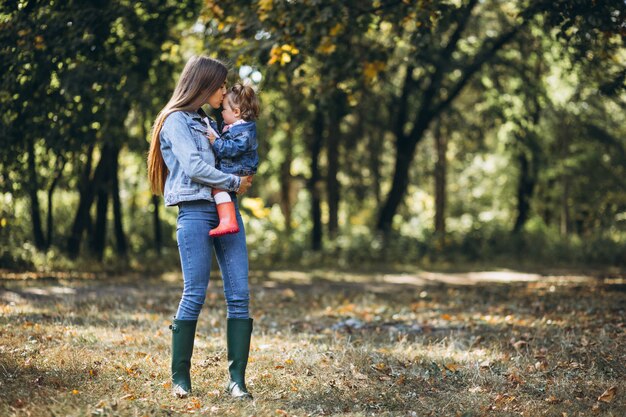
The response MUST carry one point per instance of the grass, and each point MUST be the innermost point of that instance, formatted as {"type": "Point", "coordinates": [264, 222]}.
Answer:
{"type": "Point", "coordinates": [324, 344]}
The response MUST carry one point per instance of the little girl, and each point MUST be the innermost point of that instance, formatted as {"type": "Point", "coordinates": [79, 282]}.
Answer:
{"type": "Point", "coordinates": [235, 150]}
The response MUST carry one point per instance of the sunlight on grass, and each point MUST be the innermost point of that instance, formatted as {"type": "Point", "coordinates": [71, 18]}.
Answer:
{"type": "Point", "coordinates": [320, 347]}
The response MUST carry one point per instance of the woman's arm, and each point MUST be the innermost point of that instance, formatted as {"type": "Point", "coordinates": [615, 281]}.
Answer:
{"type": "Point", "coordinates": [180, 138]}
{"type": "Point", "coordinates": [230, 146]}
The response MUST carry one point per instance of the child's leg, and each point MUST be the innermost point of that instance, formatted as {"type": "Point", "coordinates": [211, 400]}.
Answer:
{"type": "Point", "coordinates": [226, 212]}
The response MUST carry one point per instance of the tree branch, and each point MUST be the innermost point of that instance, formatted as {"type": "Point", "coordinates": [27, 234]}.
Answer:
{"type": "Point", "coordinates": [487, 52]}
{"type": "Point", "coordinates": [440, 68]}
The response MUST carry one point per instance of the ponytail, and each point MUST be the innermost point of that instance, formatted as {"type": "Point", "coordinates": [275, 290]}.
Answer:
{"type": "Point", "coordinates": [244, 97]}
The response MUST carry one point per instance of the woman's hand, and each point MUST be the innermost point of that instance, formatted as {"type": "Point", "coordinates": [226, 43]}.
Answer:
{"type": "Point", "coordinates": [246, 182]}
{"type": "Point", "coordinates": [211, 138]}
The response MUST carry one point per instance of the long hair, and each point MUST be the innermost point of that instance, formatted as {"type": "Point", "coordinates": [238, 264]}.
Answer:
{"type": "Point", "coordinates": [202, 76]}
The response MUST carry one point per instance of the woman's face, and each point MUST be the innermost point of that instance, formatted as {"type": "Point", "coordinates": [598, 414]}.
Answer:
{"type": "Point", "coordinates": [215, 99]}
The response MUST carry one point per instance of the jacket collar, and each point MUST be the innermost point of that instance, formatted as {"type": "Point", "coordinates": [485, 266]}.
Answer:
{"type": "Point", "coordinates": [197, 115]}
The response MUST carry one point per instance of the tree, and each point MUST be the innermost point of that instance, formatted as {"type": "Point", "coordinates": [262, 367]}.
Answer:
{"type": "Point", "coordinates": [72, 71]}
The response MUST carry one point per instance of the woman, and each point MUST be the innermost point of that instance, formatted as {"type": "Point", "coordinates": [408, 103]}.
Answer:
{"type": "Point", "coordinates": [181, 167]}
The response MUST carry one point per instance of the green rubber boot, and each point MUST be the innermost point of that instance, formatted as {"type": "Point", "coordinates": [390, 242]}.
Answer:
{"type": "Point", "coordinates": [183, 334]}
{"type": "Point", "coordinates": [238, 333]}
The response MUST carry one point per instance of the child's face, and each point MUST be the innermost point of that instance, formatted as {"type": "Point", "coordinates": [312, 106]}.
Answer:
{"type": "Point", "coordinates": [230, 114]}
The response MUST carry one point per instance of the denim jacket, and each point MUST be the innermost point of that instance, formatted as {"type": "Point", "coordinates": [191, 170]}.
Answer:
{"type": "Point", "coordinates": [236, 149]}
{"type": "Point", "coordinates": [190, 161]}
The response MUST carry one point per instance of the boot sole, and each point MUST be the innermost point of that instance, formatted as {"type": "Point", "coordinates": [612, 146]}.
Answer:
{"type": "Point", "coordinates": [223, 232]}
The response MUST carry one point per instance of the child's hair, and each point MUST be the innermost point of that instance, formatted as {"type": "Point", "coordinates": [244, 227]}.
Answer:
{"type": "Point", "coordinates": [244, 97]}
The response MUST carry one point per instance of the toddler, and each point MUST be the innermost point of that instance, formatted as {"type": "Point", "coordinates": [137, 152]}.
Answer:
{"type": "Point", "coordinates": [235, 149]}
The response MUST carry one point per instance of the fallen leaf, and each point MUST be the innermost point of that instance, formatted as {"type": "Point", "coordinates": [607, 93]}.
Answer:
{"type": "Point", "coordinates": [608, 395]}
{"type": "Point", "coordinates": [452, 367]}
{"type": "Point", "coordinates": [541, 365]}
{"type": "Point", "coordinates": [194, 405]}
{"type": "Point", "coordinates": [520, 344]}
{"type": "Point", "coordinates": [504, 398]}
{"type": "Point", "coordinates": [485, 364]}
{"type": "Point", "coordinates": [446, 317]}
{"type": "Point", "coordinates": [380, 366]}
{"type": "Point", "coordinates": [515, 379]}
{"type": "Point", "coordinates": [552, 399]}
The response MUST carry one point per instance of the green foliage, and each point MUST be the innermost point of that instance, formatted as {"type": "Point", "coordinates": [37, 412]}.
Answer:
{"type": "Point", "coordinates": [528, 95]}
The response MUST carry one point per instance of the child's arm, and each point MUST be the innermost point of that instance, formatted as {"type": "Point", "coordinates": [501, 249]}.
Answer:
{"type": "Point", "coordinates": [229, 146]}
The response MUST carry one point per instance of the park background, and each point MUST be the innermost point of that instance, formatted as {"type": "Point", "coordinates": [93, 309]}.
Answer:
{"type": "Point", "coordinates": [405, 146]}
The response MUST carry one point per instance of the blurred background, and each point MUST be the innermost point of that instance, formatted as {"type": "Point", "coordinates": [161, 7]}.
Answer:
{"type": "Point", "coordinates": [412, 132]}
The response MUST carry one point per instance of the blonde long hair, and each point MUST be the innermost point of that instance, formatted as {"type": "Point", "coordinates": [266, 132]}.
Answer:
{"type": "Point", "coordinates": [202, 76]}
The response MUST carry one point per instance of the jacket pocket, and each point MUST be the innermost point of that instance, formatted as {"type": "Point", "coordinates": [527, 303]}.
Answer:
{"type": "Point", "coordinates": [201, 138]}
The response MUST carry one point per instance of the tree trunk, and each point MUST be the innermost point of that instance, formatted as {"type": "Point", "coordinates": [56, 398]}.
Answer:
{"type": "Point", "coordinates": [82, 218]}
{"type": "Point", "coordinates": [50, 223]}
{"type": "Point", "coordinates": [98, 239]}
{"type": "Point", "coordinates": [314, 183]}
{"type": "Point", "coordinates": [405, 152]}
{"type": "Point", "coordinates": [33, 186]}
{"type": "Point", "coordinates": [565, 209]}
{"type": "Point", "coordinates": [525, 188]}
{"type": "Point", "coordinates": [120, 237]}
{"type": "Point", "coordinates": [336, 113]}
{"type": "Point", "coordinates": [441, 146]}
{"type": "Point", "coordinates": [285, 179]}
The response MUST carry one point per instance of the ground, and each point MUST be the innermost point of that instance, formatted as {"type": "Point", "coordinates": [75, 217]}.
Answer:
{"type": "Point", "coordinates": [325, 343]}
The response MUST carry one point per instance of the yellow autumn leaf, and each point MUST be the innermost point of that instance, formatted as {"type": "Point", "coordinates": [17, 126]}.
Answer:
{"type": "Point", "coordinates": [219, 12]}
{"type": "Point", "coordinates": [371, 69]}
{"type": "Point", "coordinates": [265, 7]}
{"type": "Point", "coordinates": [337, 29]}
{"type": "Point", "coordinates": [282, 54]}
{"type": "Point", "coordinates": [3, 222]}
{"type": "Point", "coordinates": [285, 58]}
{"type": "Point", "coordinates": [75, 392]}
{"type": "Point", "coordinates": [289, 361]}
{"type": "Point", "coordinates": [327, 46]}
{"type": "Point", "coordinates": [290, 49]}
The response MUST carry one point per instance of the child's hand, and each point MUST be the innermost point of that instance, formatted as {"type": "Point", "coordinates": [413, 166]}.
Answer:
{"type": "Point", "coordinates": [211, 138]}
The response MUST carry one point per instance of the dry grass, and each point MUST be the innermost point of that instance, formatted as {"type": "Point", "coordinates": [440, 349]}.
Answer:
{"type": "Point", "coordinates": [324, 344]}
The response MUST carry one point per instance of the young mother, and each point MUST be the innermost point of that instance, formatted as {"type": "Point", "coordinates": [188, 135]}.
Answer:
{"type": "Point", "coordinates": [181, 167]}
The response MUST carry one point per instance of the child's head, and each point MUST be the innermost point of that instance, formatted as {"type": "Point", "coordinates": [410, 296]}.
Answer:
{"type": "Point", "coordinates": [239, 103]}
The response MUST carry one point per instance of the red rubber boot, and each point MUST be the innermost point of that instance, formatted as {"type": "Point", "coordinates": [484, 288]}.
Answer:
{"type": "Point", "coordinates": [228, 220]}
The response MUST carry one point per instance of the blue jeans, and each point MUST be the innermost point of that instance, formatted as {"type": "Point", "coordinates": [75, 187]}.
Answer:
{"type": "Point", "coordinates": [195, 246]}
